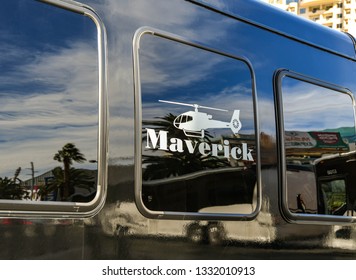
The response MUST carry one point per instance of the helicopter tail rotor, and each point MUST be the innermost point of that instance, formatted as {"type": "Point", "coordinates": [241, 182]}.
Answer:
{"type": "Point", "coordinates": [235, 123]}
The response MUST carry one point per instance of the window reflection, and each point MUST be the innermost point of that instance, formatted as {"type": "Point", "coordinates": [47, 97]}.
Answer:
{"type": "Point", "coordinates": [319, 140]}
{"type": "Point", "coordinates": [198, 130]}
{"type": "Point", "coordinates": [49, 103]}
{"type": "Point", "coordinates": [333, 196]}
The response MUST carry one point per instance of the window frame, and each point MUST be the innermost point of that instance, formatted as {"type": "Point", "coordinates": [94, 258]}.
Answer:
{"type": "Point", "coordinates": [282, 165]}
{"type": "Point", "coordinates": [138, 131]}
{"type": "Point", "coordinates": [59, 209]}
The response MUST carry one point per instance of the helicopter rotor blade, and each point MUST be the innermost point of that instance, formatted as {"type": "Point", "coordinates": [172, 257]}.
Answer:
{"type": "Point", "coordinates": [177, 103]}
{"type": "Point", "coordinates": [196, 106]}
{"type": "Point", "coordinates": [211, 108]}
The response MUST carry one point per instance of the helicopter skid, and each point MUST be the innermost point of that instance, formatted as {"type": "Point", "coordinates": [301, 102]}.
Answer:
{"type": "Point", "coordinates": [192, 133]}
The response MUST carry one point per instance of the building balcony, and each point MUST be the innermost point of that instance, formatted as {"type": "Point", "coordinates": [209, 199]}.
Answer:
{"type": "Point", "coordinates": [303, 3]}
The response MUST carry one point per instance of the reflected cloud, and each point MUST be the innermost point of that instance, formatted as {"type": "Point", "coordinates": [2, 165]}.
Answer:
{"type": "Point", "coordinates": [187, 22]}
{"type": "Point", "coordinates": [48, 98]}
{"type": "Point", "coordinates": [309, 107]}
{"type": "Point", "coordinates": [170, 64]}
{"type": "Point", "coordinates": [61, 88]}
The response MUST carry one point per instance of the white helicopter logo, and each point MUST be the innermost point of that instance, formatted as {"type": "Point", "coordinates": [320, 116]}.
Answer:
{"type": "Point", "coordinates": [194, 123]}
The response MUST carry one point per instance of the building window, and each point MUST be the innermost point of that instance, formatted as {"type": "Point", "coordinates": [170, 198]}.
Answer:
{"type": "Point", "coordinates": [188, 141]}
{"type": "Point", "coordinates": [339, 25]}
{"type": "Point", "coordinates": [319, 156]}
{"type": "Point", "coordinates": [339, 5]}
{"type": "Point", "coordinates": [302, 11]}
{"type": "Point", "coordinates": [339, 15]}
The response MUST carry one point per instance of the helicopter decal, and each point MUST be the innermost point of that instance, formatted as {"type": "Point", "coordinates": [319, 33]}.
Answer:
{"type": "Point", "coordinates": [194, 123]}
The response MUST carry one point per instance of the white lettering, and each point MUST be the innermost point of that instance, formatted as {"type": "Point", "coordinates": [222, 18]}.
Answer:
{"type": "Point", "coordinates": [203, 147]}
{"type": "Point", "coordinates": [236, 153]}
{"type": "Point", "coordinates": [190, 146]}
{"type": "Point", "coordinates": [159, 141]}
{"type": "Point", "coordinates": [246, 153]}
{"type": "Point", "coordinates": [226, 148]}
{"type": "Point", "coordinates": [176, 146]}
{"type": "Point", "coordinates": [215, 148]}
{"type": "Point", "coordinates": [162, 136]}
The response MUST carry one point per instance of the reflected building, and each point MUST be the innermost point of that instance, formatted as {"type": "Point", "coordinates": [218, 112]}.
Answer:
{"type": "Point", "coordinates": [288, 5]}
{"type": "Point", "coordinates": [318, 147]}
{"type": "Point", "coordinates": [336, 14]}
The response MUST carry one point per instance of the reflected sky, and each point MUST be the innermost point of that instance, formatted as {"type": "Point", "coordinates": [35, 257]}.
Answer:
{"type": "Point", "coordinates": [174, 71]}
{"type": "Point", "coordinates": [58, 69]}
{"type": "Point", "coordinates": [48, 85]}
{"type": "Point", "coordinates": [308, 107]}
{"type": "Point", "coordinates": [190, 22]}
{"type": "Point", "coordinates": [184, 21]}
{"type": "Point", "coordinates": [203, 26]}
{"type": "Point", "coordinates": [49, 89]}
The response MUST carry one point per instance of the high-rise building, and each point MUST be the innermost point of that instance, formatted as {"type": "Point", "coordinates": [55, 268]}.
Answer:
{"type": "Point", "coordinates": [288, 5]}
{"type": "Point", "coordinates": [336, 14]}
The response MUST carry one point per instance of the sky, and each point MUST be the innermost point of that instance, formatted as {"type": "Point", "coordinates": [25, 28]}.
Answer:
{"type": "Point", "coordinates": [174, 71]}
{"type": "Point", "coordinates": [309, 107]}
{"type": "Point", "coordinates": [48, 85]}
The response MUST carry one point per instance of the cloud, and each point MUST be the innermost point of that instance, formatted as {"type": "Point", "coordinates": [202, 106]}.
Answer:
{"type": "Point", "coordinates": [121, 26]}
{"type": "Point", "coordinates": [308, 107]}
{"type": "Point", "coordinates": [50, 97]}
{"type": "Point", "coordinates": [48, 101]}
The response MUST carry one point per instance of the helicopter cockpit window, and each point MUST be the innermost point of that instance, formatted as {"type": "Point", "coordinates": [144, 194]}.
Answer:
{"type": "Point", "coordinates": [186, 118]}
{"type": "Point", "coordinates": [319, 149]}
{"type": "Point", "coordinates": [49, 114]}
{"type": "Point", "coordinates": [198, 146]}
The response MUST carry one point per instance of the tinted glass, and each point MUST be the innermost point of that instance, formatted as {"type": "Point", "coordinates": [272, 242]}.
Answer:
{"type": "Point", "coordinates": [198, 130]}
{"type": "Point", "coordinates": [319, 141]}
{"type": "Point", "coordinates": [49, 103]}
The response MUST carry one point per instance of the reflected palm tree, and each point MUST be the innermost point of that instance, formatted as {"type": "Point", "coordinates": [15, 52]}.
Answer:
{"type": "Point", "coordinates": [165, 123]}
{"type": "Point", "coordinates": [79, 178]}
{"type": "Point", "coordinates": [11, 188]}
{"type": "Point", "coordinates": [176, 164]}
{"type": "Point", "coordinates": [67, 155]}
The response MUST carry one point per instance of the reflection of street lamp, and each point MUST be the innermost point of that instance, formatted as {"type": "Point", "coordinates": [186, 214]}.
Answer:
{"type": "Point", "coordinates": [33, 178]}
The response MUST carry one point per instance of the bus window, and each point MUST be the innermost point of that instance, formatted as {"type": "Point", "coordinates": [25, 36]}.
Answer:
{"type": "Point", "coordinates": [318, 148]}
{"type": "Point", "coordinates": [49, 114]}
{"type": "Point", "coordinates": [195, 161]}
{"type": "Point", "coordinates": [333, 196]}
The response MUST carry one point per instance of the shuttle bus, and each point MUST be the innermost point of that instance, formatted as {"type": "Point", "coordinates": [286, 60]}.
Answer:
{"type": "Point", "coordinates": [177, 129]}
